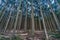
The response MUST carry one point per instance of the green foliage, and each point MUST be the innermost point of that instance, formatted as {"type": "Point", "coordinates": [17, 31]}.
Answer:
{"type": "Point", "coordinates": [55, 35]}
{"type": "Point", "coordinates": [57, 12]}
{"type": "Point", "coordinates": [13, 38]}
{"type": "Point", "coordinates": [0, 14]}
{"type": "Point", "coordinates": [16, 38]}
{"type": "Point", "coordinates": [3, 38]}
{"type": "Point", "coordinates": [58, 1]}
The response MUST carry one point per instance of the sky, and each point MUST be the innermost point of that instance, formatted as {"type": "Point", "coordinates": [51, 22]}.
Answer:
{"type": "Point", "coordinates": [52, 1]}
{"type": "Point", "coordinates": [0, 1]}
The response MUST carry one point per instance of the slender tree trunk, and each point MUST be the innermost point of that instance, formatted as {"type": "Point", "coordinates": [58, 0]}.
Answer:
{"type": "Point", "coordinates": [44, 24]}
